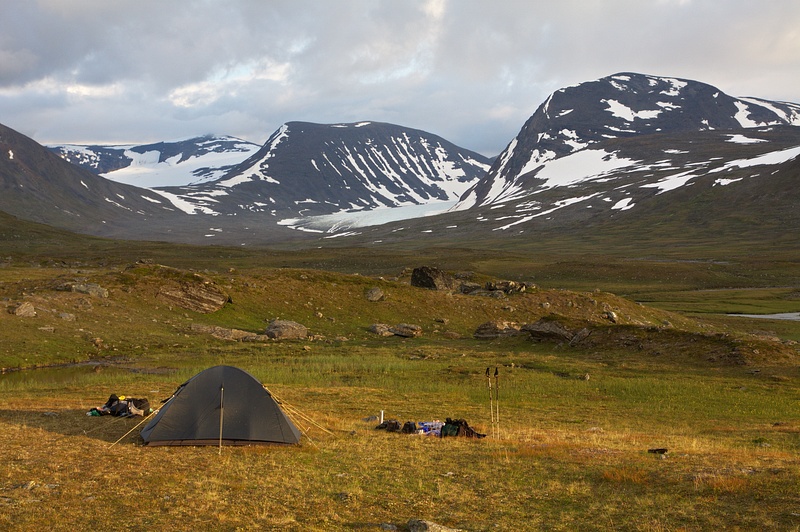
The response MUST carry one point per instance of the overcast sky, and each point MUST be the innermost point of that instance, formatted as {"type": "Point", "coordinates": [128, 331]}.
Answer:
{"type": "Point", "coordinates": [471, 71]}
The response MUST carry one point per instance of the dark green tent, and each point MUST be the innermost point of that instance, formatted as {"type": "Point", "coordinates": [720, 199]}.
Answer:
{"type": "Point", "coordinates": [226, 397]}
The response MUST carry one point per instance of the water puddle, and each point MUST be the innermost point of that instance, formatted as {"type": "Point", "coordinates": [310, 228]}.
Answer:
{"type": "Point", "coordinates": [792, 316]}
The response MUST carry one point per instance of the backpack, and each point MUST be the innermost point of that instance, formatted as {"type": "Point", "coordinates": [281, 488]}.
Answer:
{"type": "Point", "coordinates": [459, 427]}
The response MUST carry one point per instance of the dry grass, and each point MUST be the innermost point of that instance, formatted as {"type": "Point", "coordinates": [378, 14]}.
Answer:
{"type": "Point", "coordinates": [61, 470]}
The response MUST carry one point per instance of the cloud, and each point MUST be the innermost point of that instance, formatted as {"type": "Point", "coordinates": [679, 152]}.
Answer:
{"type": "Point", "coordinates": [468, 70]}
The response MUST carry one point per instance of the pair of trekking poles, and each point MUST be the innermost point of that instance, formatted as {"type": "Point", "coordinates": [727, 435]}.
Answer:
{"type": "Point", "coordinates": [494, 401]}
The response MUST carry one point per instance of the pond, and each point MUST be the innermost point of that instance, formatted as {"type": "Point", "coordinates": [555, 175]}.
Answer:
{"type": "Point", "coordinates": [56, 374]}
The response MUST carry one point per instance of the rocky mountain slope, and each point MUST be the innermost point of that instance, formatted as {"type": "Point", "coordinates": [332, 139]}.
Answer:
{"type": "Point", "coordinates": [309, 169]}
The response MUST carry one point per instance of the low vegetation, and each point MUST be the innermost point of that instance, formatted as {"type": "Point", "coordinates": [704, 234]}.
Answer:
{"type": "Point", "coordinates": [672, 371]}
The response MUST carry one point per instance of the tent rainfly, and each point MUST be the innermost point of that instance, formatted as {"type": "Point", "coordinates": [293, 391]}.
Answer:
{"type": "Point", "coordinates": [222, 405]}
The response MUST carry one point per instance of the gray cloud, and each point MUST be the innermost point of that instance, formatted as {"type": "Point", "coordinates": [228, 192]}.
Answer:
{"type": "Point", "coordinates": [469, 70]}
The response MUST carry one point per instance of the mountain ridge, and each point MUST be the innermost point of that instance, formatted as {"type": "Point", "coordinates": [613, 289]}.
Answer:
{"type": "Point", "coordinates": [625, 149]}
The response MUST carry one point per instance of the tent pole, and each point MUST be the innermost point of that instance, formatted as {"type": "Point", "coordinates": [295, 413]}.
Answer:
{"type": "Point", "coordinates": [221, 415]}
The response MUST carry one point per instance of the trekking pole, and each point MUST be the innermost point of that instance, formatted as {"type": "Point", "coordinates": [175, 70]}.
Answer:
{"type": "Point", "coordinates": [497, 400]}
{"type": "Point", "coordinates": [221, 417]}
{"type": "Point", "coordinates": [491, 407]}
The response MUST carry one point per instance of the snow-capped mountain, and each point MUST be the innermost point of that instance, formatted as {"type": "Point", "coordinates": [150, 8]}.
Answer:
{"type": "Point", "coordinates": [628, 142]}
{"type": "Point", "coordinates": [631, 151]}
{"type": "Point", "coordinates": [309, 169]}
{"type": "Point", "coordinates": [39, 186]}
{"type": "Point", "coordinates": [162, 164]}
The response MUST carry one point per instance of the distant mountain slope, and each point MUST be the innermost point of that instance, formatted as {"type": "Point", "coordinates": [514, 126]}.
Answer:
{"type": "Point", "coordinates": [161, 164]}
{"type": "Point", "coordinates": [306, 169]}
{"type": "Point", "coordinates": [589, 115]}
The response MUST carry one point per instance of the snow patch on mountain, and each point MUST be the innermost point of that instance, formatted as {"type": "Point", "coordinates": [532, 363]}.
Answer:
{"type": "Point", "coordinates": [581, 166]}
{"type": "Point", "coordinates": [741, 139]}
{"type": "Point", "coordinates": [770, 158]}
{"type": "Point", "coordinates": [345, 220]}
{"type": "Point", "coordinates": [620, 110]}
{"type": "Point", "coordinates": [164, 164]}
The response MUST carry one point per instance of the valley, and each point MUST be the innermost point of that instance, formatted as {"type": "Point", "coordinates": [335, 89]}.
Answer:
{"type": "Point", "coordinates": [648, 220]}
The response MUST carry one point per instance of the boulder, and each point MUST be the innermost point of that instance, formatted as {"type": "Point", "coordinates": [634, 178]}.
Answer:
{"type": "Point", "coordinates": [432, 278]}
{"type": "Point", "coordinates": [381, 329]}
{"type": "Point", "coordinates": [406, 330]}
{"type": "Point", "coordinates": [496, 329]}
{"type": "Point", "coordinates": [286, 330]}
{"type": "Point", "coordinates": [91, 289]}
{"type": "Point", "coordinates": [24, 310]}
{"type": "Point", "coordinates": [554, 331]}
{"type": "Point", "coordinates": [375, 294]}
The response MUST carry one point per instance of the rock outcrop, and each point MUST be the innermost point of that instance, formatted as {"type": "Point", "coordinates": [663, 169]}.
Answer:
{"type": "Point", "coordinates": [496, 329]}
{"type": "Point", "coordinates": [431, 278]}
{"type": "Point", "coordinates": [201, 297]}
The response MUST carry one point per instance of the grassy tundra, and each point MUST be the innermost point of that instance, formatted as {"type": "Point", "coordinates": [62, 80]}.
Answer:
{"type": "Point", "coordinates": [576, 423]}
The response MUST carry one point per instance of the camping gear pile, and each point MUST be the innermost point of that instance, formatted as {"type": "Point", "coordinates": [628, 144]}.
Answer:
{"type": "Point", "coordinates": [451, 427]}
{"type": "Point", "coordinates": [121, 406]}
